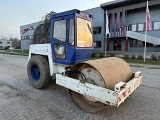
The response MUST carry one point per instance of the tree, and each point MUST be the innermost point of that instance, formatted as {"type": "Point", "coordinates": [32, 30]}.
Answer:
{"type": "Point", "coordinates": [16, 43]}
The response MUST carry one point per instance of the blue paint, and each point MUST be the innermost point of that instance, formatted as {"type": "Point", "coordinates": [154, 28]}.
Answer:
{"type": "Point", "coordinates": [62, 14]}
{"type": "Point", "coordinates": [35, 72]}
{"type": "Point", "coordinates": [72, 53]}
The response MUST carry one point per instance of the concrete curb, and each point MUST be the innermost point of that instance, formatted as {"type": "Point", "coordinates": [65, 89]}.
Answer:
{"type": "Point", "coordinates": [144, 66]}
{"type": "Point", "coordinates": [13, 53]}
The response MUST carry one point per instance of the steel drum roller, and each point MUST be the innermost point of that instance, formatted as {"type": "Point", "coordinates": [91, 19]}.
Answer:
{"type": "Point", "coordinates": [113, 70]}
{"type": "Point", "coordinates": [105, 72]}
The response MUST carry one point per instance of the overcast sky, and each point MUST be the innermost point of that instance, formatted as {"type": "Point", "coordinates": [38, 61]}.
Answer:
{"type": "Point", "coordinates": [15, 13]}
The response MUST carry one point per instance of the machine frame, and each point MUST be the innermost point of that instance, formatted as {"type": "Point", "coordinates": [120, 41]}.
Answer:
{"type": "Point", "coordinates": [67, 63]}
{"type": "Point", "coordinates": [109, 97]}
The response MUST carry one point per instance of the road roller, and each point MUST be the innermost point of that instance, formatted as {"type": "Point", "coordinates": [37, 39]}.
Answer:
{"type": "Point", "coordinates": [61, 49]}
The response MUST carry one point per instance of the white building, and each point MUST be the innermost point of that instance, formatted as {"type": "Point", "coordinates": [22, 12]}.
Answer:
{"type": "Point", "coordinates": [5, 44]}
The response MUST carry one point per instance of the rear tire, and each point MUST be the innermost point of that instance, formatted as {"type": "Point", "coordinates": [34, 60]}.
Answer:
{"type": "Point", "coordinates": [38, 71]}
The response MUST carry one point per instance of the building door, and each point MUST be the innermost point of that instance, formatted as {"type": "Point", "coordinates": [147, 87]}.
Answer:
{"type": "Point", "coordinates": [117, 44]}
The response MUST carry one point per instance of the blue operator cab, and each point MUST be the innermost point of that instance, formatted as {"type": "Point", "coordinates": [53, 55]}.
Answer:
{"type": "Point", "coordinates": [71, 37]}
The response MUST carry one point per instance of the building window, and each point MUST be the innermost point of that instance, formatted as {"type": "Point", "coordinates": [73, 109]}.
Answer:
{"type": "Point", "coordinates": [136, 43]}
{"type": "Point", "coordinates": [8, 42]}
{"type": "Point", "coordinates": [0, 42]}
{"type": "Point", "coordinates": [60, 30]}
{"type": "Point", "coordinates": [128, 27]}
{"type": "Point", "coordinates": [31, 37]}
{"type": "Point", "coordinates": [23, 38]}
{"type": "Point", "coordinates": [140, 27]}
{"type": "Point", "coordinates": [156, 25]}
{"type": "Point", "coordinates": [97, 44]}
{"type": "Point", "coordinates": [97, 30]}
{"type": "Point", "coordinates": [149, 45]}
{"type": "Point", "coordinates": [139, 43]}
{"type": "Point", "coordinates": [133, 27]}
{"type": "Point", "coordinates": [27, 37]}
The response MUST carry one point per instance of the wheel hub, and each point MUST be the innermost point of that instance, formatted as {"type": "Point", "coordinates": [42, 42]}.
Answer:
{"type": "Point", "coordinates": [92, 77]}
{"type": "Point", "coordinates": [35, 73]}
{"type": "Point", "coordinates": [85, 102]}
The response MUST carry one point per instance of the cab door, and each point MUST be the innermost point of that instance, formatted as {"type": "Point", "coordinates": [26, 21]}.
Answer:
{"type": "Point", "coordinates": [62, 39]}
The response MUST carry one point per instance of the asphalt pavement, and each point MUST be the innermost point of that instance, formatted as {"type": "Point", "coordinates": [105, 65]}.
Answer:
{"type": "Point", "coordinates": [20, 101]}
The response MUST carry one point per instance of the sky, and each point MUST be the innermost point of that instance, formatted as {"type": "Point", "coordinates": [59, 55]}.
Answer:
{"type": "Point", "coordinates": [15, 13]}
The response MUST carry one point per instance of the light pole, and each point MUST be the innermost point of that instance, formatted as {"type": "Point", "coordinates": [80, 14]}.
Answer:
{"type": "Point", "coordinates": [22, 49]}
{"type": "Point", "coordinates": [11, 47]}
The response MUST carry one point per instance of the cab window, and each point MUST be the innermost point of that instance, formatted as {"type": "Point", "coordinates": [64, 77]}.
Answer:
{"type": "Point", "coordinates": [84, 33]}
{"type": "Point", "coordinates": [60, 30]}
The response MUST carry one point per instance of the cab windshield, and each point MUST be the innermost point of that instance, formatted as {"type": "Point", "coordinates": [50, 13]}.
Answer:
{"type": "Point", "coordinates": [84, 33]}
